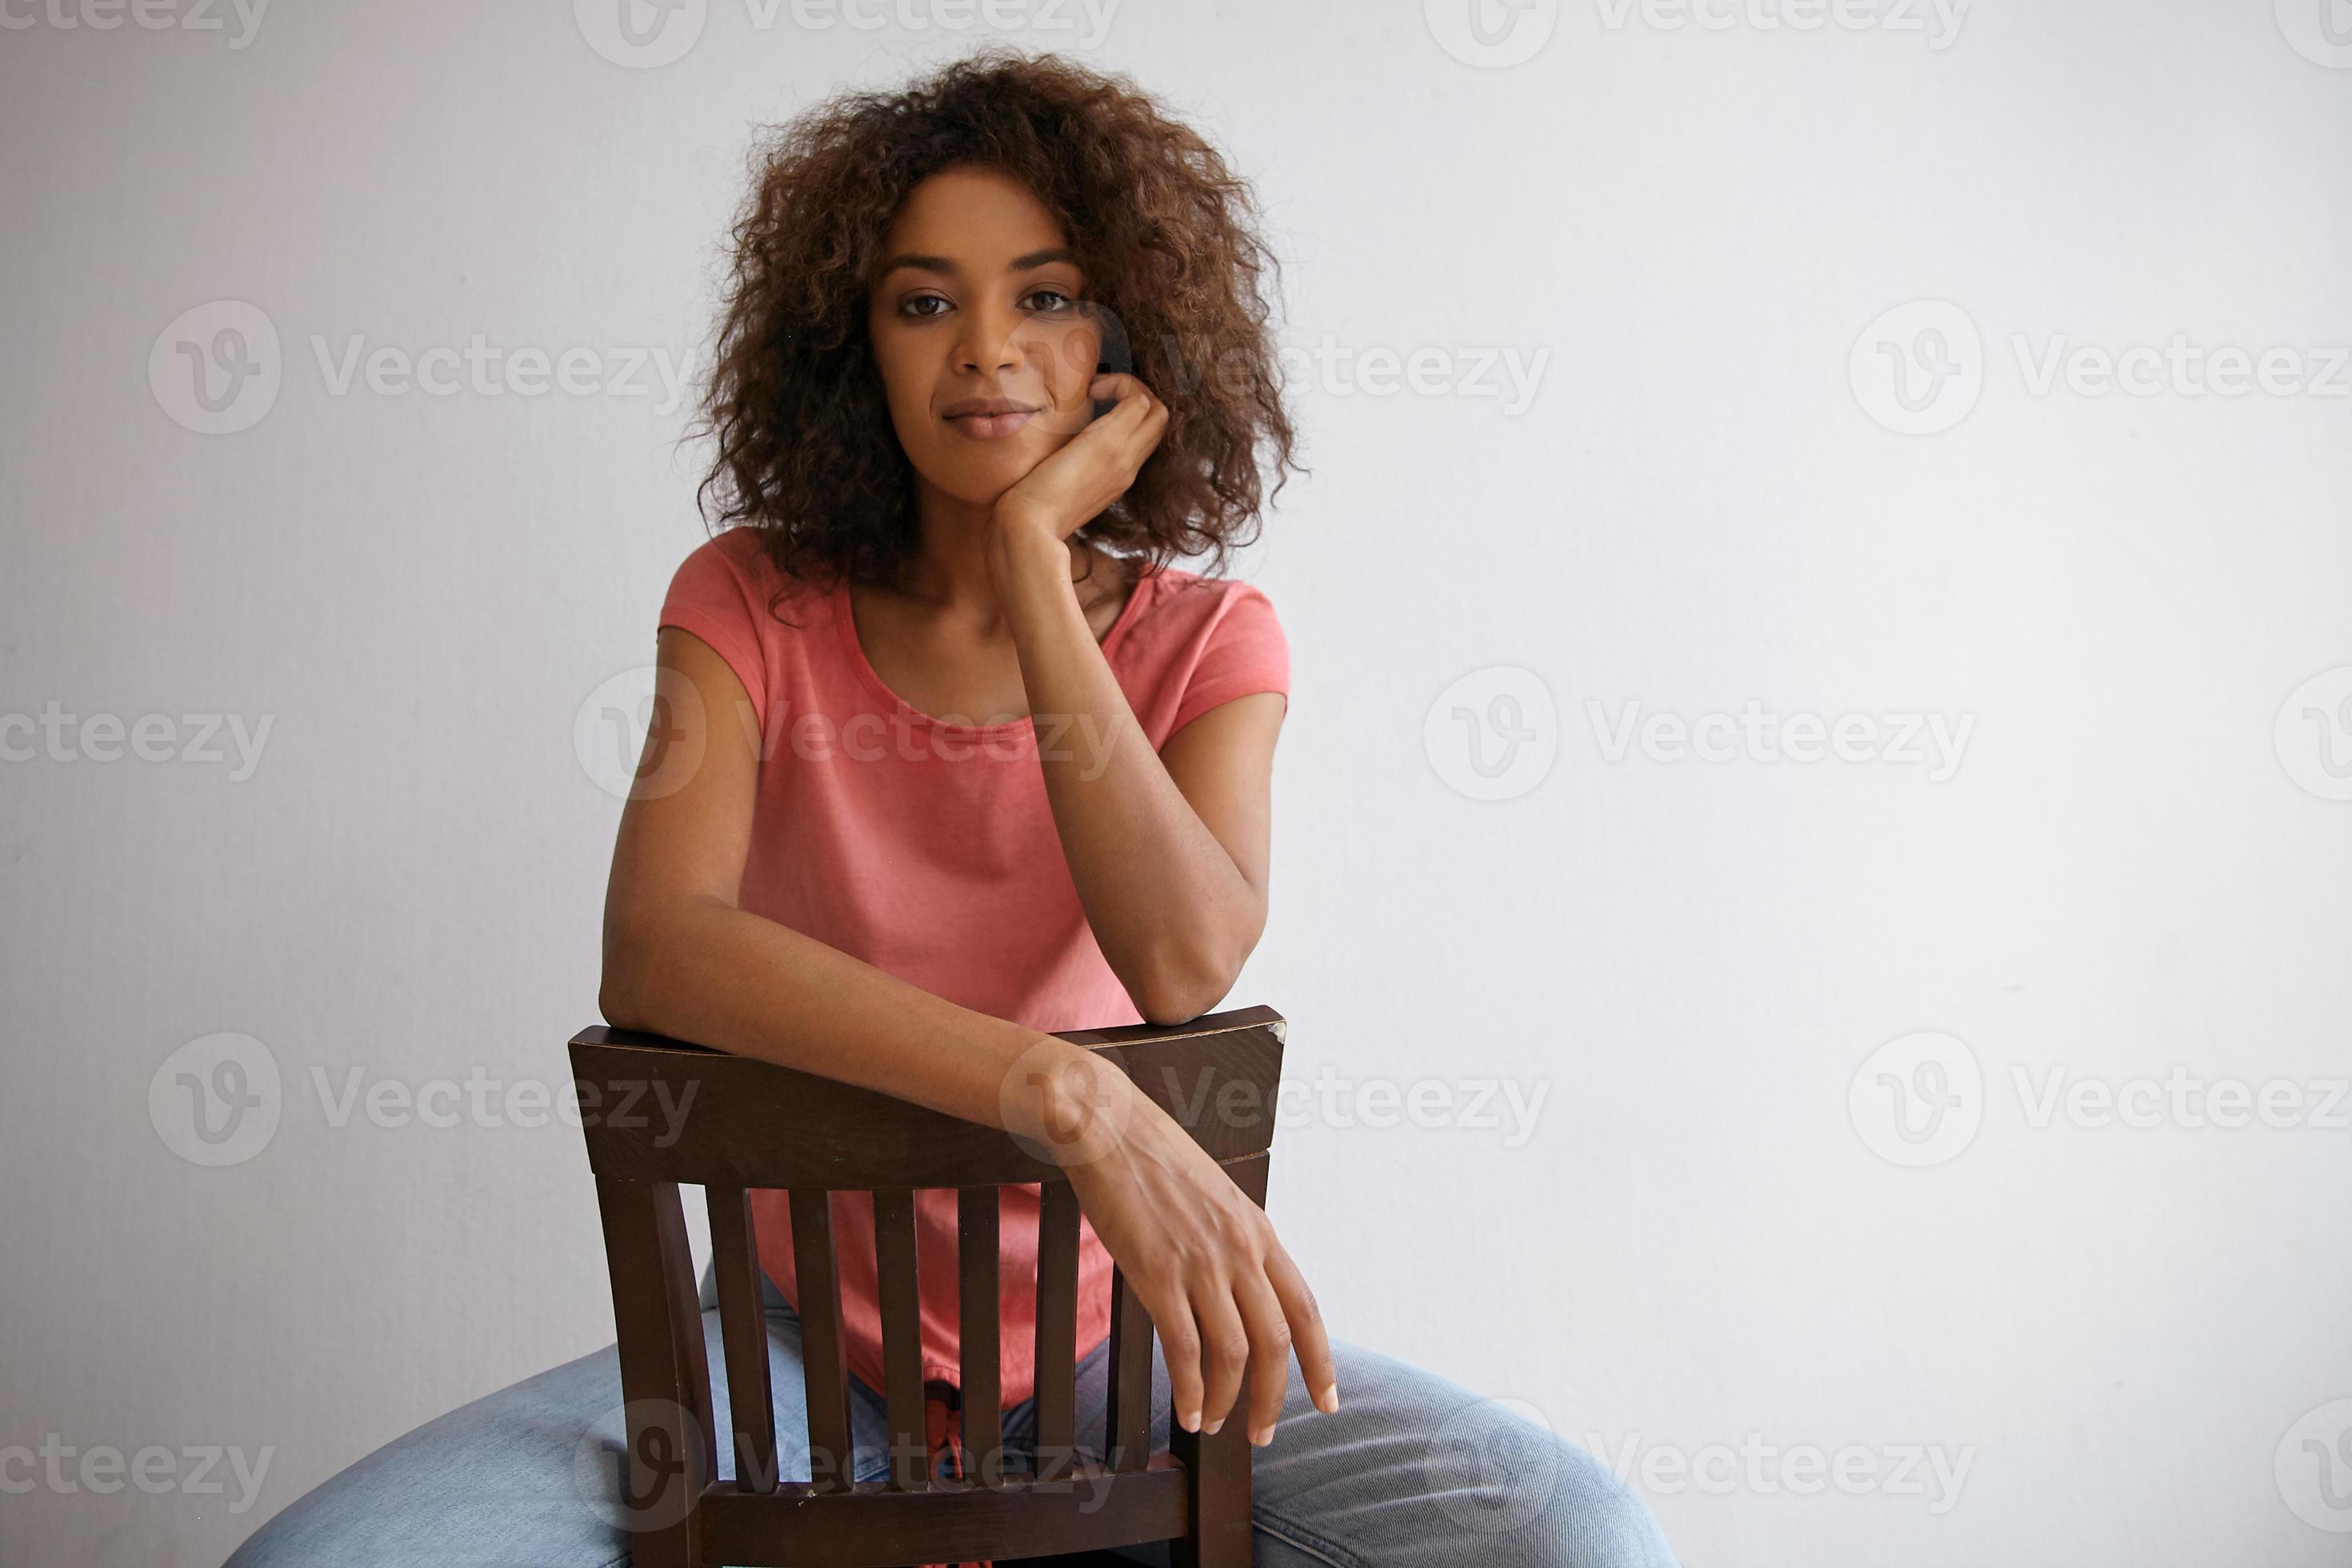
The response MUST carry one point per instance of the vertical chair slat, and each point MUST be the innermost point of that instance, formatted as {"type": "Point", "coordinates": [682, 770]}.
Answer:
{"type": "Point", "coordinates": [1057, 1327]}
{"type": "Point", "coordinates": [1218, 1527]}
{"type": "Point", "coordinates": [1126, 1420]}
{"type": "Point", "coordinates": [744, 1325]}
{"type": "Point", "coordinates": [902, 1337]}
{"type": "Point", "coordinates": [978, 1312]}
{"type": "Point", "coordinates": [664, 1374]}
{"type": "Point", "coordinates": [825, 1364]}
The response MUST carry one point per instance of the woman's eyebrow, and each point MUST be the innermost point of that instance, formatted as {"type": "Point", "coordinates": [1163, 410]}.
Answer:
{"type": "Point", "coordinates": [946, 265]}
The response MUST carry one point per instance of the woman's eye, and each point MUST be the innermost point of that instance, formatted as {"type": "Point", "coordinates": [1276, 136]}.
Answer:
{"type": "Point", "coordinates": [1043, 301]}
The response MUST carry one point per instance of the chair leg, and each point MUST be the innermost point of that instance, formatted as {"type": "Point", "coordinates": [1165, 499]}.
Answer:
{"type": "Point", "coordinates": [1220, 1532]}
{"type": "Point", "coordinates": [1217, 1524]}
{"type": "Point", "coordinates": [665, 1374]}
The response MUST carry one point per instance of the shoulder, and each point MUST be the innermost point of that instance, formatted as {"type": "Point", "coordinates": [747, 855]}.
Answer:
{"type": "Point", "coordinates": [1199, 642]}
{"type": "Point", "coordinates": [1188, 600]}
{"type": "Point", "coordinates": [733, 571]}
{"type": "Point", "coordinates": [1206, 631]}
{"type": "Point", "coordinates": [1199, 597]}
{"type": "Point", "coordinates": [729, 594]}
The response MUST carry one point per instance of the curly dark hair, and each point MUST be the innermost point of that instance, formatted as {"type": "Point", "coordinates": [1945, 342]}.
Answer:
{"type": "Point", "coordinates": [806, 453]}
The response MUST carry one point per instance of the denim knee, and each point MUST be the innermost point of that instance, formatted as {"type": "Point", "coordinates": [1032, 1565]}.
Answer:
{"type": "Point", "coordinates": [1590, 1519]}
{"type": "Point", "coordinates": [1526, 1497]}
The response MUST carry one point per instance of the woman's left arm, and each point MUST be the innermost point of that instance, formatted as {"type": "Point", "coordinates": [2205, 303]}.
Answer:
{"type": "Point", "coordinates": [1168, 848]}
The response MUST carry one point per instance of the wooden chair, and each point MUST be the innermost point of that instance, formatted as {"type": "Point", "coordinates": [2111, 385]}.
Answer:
{"type": "Point", "coordinates": [751, 1123]}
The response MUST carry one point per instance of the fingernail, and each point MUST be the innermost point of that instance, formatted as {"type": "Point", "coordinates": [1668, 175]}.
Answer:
{"type": "Point", "coordinates": [1211, 1430]}
{"type": "Point", "coordinates": [1327, 1401]}
{"type": "Point", "coordinates": [1262, 1436]}
{"type": "Point", "coordinates": [1192, 1419]}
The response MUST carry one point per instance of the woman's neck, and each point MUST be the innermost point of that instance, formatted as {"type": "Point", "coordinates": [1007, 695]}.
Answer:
{"type": "Point", "coordinates": [949, 574]}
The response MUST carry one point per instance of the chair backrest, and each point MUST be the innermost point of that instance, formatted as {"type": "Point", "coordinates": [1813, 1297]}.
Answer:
{"type": "Point", "coordinates": [658, 1112]}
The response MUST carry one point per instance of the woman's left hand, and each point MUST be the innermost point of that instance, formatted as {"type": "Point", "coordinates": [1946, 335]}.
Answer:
{"type": "Point", "coordinates": [1071, 487]}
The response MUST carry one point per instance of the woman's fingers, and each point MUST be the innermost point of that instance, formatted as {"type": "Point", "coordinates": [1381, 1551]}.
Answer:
{"type": "Point", "coordinates": [1180, 1347]}
{"type": "Point", "coordinates": [1307, 1332]}
{"type": "Point", "coordinates": [1227, 1301]}
{"type": "Point", "coordinates": [1118, 387]}
{"type": "Point", "coordinates": [1224, 1351]}
{"type": "Point", "coordinates": [1148, 436]}
{"type": "Point", "coordinates": [1270, 1352]}
{"type": "Point", "coordinates": [1135, 413]}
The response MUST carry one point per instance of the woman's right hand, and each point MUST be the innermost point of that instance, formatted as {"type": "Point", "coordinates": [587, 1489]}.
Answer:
{"type": "Point", "coordinates": [1202, 1257]}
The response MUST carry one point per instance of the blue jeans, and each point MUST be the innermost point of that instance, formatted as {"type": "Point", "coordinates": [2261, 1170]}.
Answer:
{"type": "Point", "coordinates": [1413, 1471]}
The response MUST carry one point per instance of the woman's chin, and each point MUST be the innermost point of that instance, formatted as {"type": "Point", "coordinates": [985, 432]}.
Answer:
{"type": "Point", "coordinates": [979, 480]}
{"type": "Point", "coordinates": [980, 488]}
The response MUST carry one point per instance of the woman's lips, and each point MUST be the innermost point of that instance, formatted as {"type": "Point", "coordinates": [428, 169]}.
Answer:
{"type": "Point", "coordinates": [990, 426]}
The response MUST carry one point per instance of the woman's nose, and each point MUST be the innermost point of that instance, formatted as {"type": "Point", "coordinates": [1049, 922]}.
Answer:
{"type": "Point", "coordinates": [992, 341]}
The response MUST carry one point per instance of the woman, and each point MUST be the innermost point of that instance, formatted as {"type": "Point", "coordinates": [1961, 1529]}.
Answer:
{"type": "Point", "coordinates": [952, 758]}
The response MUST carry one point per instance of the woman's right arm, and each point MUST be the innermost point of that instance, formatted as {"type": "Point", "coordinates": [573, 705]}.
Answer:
{"type": "Point", "coordinates": [682, 959]}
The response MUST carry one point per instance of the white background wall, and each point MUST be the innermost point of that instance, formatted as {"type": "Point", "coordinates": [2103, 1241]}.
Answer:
{"type": "Point", "coordinates": [2117, 1330]}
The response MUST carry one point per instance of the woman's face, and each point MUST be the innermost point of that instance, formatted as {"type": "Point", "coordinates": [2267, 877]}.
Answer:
{"type": "Point", "coordinates": [978, 302]}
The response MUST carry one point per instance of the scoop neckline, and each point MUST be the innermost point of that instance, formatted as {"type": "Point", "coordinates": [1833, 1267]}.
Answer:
{"type": "Point", "coordinates": [846, 622]}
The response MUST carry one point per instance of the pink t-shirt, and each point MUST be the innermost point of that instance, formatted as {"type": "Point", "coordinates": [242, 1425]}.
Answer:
{"type": "Point", "coordinates": [929, 851]}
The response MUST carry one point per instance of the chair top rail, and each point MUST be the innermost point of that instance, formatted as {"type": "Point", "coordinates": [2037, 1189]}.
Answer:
{"type": "Point", "coordinates": [654, 1109]}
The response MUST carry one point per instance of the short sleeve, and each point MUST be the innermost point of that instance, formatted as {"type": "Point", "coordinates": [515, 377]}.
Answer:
{"type": "Point", "coordinates": [711, 598]}
{"type": "Point", "coordinates": [1244, 652]}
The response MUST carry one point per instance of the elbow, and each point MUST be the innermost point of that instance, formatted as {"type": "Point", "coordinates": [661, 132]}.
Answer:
{"type": "Point", "coordinates": [621, 990]}
{"type": "Point", "coordinates": [639, 986]}
{"type": "Point", "coordinates": [1161, 1010]}
{"type": "Point", "coordinates": [618, 1007]}
{"type": "Point", "coordinates": [1182, 982]}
